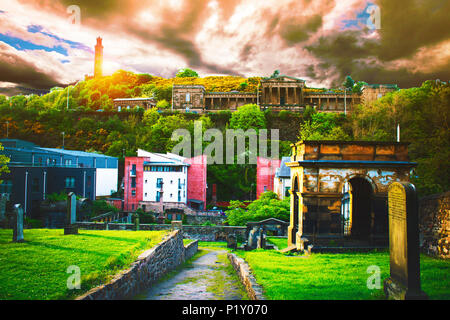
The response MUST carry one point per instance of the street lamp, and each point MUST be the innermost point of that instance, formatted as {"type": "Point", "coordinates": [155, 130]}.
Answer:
{"type": "Point", "coordinates": [63, 138]}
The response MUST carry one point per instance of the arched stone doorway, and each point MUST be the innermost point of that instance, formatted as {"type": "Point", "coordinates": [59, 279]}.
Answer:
{"type": "Point", "coordinates": [361, 208]}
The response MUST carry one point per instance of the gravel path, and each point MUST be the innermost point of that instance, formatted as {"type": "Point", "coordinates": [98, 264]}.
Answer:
{"type": "Point", "coordinates": [207, 278]}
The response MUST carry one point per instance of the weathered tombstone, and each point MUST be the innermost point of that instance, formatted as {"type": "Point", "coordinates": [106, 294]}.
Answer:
{"type": "Point", "coordinates": [261, 239]}
{"type": "Point", "coordinates": [136, 222]}
{"type": "Point", "coordinates": [18, 223]}
{"type": "Point", "coordinates": [71, 216]}
{"type": "Point", "coordinates": [251, 241]}
{"type": "Point", "coordinates": [177, 225]}
{"type": "Point", "coordinates": [2, 209]}
{"type": "Point", "coordinates": [404, 281]}
{"type": "Point", "coordinates": [232, 241]}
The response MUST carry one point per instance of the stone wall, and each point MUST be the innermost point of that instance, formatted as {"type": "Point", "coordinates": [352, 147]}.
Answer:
{"type": "Point", "coordinates": [150, 266]}
{"type": "Point", "coordinates": [200, 219]}
{"type": "Point", "coordinates": [434, 224]}
{"type": "Point", "coordinates": [204, 233]}
{"type": "Point", "coordinates": [254, 290]}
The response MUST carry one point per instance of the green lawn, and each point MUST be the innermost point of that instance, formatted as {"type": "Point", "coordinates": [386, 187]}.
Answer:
{"type": "Point", "coordinates": [335, 276]}
{"type": "Point", "coordinates": [37, 268]}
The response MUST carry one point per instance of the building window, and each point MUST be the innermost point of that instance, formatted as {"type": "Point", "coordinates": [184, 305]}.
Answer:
{"type": "Point", "coordinates": [35, 185]}
{"type": "Point", "coordinates": [133, 182]}
{"type": "Point", "coordinates": [188, 97]}
{"type": "Point", "coordinates": [179, 196]}
{"type": "Point", "coordinates": [70, 182]}
{"type": "Point", "coordinates": [159, 182]}
{"type": "Point", "coordinates": [133, 193]}
{"type": "Point", "coordinates": [158, 196]}
{"type": "Point", "coordinates": [145, 194]}
{"type": "Point", "coordinates": [68, 162]}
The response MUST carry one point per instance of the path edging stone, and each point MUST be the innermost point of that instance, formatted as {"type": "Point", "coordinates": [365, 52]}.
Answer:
{"type": "Point", "coordinates": [149, 267]}
{"type": "Point", "coordinates": [254, 290]}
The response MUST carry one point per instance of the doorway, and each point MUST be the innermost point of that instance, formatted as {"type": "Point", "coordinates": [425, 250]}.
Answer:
{"type": "Point", "coordinates": [361, 204]}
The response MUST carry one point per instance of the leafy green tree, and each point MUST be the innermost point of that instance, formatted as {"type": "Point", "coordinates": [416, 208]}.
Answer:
{"type": "Point", "coordinates": [151, 116]}
{"type": "Point", "coordinates": [3, 162]}
{"type": "Point", "coordinates": [162, 104]}
{"type": "Point", "coordinates": [248, 116]}
{"type": "Point", "coordinates": [267, 206]}
{"type": "Point", "coordinates": [186, 73]}
{"type": "Point", "coordinates": [349, 82]}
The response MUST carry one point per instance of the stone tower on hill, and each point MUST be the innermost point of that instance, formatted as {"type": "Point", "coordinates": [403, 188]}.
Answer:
{"type": "Point", "coordinates": [98, 66]}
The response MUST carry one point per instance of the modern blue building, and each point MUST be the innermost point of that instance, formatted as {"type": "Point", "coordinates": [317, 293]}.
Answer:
{"type": "Point", "coordinates": [36, 172]}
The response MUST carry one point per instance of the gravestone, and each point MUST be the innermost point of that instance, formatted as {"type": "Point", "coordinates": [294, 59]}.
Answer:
{"type": "Point", "coordinates": [136, 222]}
{"type": "Point", "coordinates": [404, 281]}
{"type": "Point", "coordinates": [71, 216]}
{"type": "Point", "coordinates": [232, 241]}
{"type": "Point", "coordinates": [261, 239]}
{"type": "Point", "coordinates": [3, 200]}
{"type": "Point", "coordinates": [252, 238]}
{"type": "Point", "coordinates": [177, 225]}
{"type": "Point", "coordinates": [18, 223]}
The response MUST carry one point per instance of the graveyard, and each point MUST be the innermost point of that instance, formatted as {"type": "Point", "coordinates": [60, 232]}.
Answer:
{"type": "Point", "coordinates": [37, 267]}
{"type": "Point", "coordinates": [334, 276]}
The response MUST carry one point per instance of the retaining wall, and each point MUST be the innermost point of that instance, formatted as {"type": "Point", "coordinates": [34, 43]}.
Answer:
{"type": "Point", "coordinates": [434, 224]}
{"type": "Point", "coordinates": [254, 290]}
{"type": "Point", "coordinates": [150, 266]}
{"type": "Point", "coordinates": [204, 233]}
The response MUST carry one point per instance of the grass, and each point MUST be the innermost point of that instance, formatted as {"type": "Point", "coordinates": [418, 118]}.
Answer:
{"type": "Point", "coordinates": [336, 276]}
{"type": "Point", "coordinates": [281, 243]}
{"type": "Point", "coordinates": [37, 268]}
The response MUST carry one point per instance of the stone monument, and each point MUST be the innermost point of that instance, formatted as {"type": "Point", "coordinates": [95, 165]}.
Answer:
{"type": "Point", "coordinates": [18, 223]}
{"type": "Point", "coordinates": [136, 222]}
{"type": "Point", "coordinates": [404, 280]}
{"type": "Point", "coordinates": [71, 216]}
{"type": "Point", "coordinates": [232, 241]}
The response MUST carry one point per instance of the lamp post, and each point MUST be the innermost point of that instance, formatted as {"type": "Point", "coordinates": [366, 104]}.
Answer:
{"type": "Point", "coordinates": [7, 129]}
{"type": "Point", "coordinates": [63, 138]}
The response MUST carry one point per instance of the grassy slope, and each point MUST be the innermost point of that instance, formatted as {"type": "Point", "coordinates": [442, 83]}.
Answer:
{"type": "Point", "coordinates": [336, 276]}
{"type": "Point", "coordinates": [37, 268]}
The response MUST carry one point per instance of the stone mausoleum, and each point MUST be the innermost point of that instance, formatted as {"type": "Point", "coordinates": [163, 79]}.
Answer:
{"type": "Point", "coordinates": [339, 189]}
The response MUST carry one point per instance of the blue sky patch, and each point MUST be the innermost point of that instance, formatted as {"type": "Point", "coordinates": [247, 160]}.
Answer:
{"type": "Point", "coordinates": [72, 44]}
{"type": "Point", "coordinates": [22, 45]}
{"type": "Point", "coordinates": [361, 19]}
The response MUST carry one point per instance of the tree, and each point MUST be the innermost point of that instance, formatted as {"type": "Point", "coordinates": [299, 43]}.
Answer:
{"type": "Point", "coordinates": [267, 206]}
{"type": "Point", "coordinates": [349, 82]}
{"type": "Point", "coordinates": [186, 73]}
{"type": "Point", "coordinates": [162, 104]}
{"type": "Point", "coordinates": [248, 116]}
{"type": "Point", "coordinates": [3, 162]}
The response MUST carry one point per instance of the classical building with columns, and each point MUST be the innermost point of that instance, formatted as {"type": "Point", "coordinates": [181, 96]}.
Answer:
{"type": "Point", "coordinates": [278, 93]}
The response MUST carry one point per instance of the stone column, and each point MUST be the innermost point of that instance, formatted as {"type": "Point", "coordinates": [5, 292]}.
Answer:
{"type": "Point", "coordinates": [18, 223]}
{"type": "Point", "coordinates": [270, 94]}
{"type": "Point", "coordinates": [278, 97]}
{"type": "Point", "coordinates": [295, 96]}
{"type": "Point", "coordinates": [71, 216]}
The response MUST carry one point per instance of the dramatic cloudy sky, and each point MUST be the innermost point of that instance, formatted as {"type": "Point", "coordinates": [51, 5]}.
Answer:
{"type": "Point", "coordinates": [319, 40]}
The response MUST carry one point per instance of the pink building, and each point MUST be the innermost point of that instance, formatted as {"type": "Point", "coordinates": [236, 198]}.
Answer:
{"type": "Point", "coordinates": [265, 173]}
{"type": "Point", "coordinates": [156, 182]}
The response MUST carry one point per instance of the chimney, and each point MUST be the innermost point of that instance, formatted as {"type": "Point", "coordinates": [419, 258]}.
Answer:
{"type": "Point", "coordinates": [98, 68]}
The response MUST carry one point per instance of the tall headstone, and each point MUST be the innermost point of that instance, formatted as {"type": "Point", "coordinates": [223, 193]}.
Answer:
{"type": "Point", "coordinates": [2, 209]}
{"type": "Point", "coordinates": [71, 215]}
{"type": "Point", "coordinates": [136, 222]}
{"type": "Point", "coordinates": [18, 223]}
{"type": "Point", "coordinates": [404, 281]}
{"type": "Point", "coordinates": [232, 241]}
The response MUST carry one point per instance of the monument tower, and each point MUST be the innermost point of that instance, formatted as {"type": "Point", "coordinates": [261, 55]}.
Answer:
{"type": "Point", "coordinates": [98, 58]}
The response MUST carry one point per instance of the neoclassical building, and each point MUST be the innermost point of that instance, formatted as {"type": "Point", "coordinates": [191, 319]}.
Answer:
{"type": "Point", "coordinates": [278, 93]}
